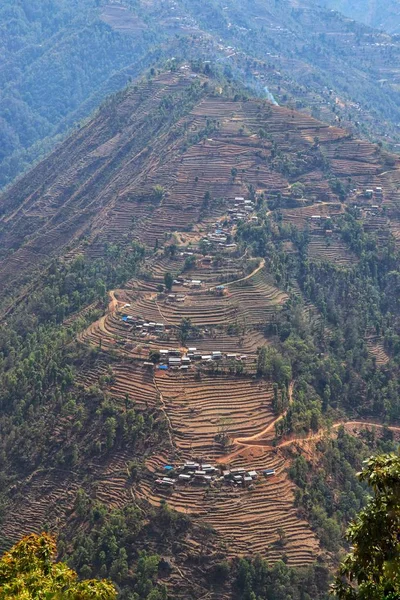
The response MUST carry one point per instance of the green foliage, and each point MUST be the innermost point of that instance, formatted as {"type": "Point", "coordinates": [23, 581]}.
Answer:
{"type": "Point", "coordinates": [330, 493]}
{"type": "Point", "coordinates": [272, 365]}
{"type": "Point", "coordinates": [256, 579]}
{"type": "Point", "coordinates": [371, 571]}
{"type": "Point", "coordinates": [159, 191]}
{"type": "Point", "coordinates": [185, 327]}
{"type": "Point", "coordinates": [168, 281]}
{"type": "Point", "coordinates": [29, 571]}
{"type": "Point", "coordinates": [113, 546]}
{"type": "Point", "coordinates": [190, 263]}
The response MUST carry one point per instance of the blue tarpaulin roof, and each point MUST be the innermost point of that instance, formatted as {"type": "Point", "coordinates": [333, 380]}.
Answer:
{"type": "Point", "coordinates": [168, 468]}
{"type": "Point", "coordinates": [163, 367]}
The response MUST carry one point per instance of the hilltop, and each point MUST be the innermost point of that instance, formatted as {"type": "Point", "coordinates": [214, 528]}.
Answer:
{"type": "Point", "coordinates": [61, 59]}
{"type": "Point", "coordinates": [197, 276]}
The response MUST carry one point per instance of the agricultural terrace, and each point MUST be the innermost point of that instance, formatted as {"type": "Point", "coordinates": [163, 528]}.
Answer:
{"type": "Point", "coordinates": [181, 338]}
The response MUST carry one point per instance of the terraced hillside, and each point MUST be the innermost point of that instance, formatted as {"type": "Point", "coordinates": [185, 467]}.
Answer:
{"type": "Point", "coordinates": [46, 214]}
{"type": "Point", "coordinates": [60, 60]}
{"type": "Point", "coordinates": [223, 193]}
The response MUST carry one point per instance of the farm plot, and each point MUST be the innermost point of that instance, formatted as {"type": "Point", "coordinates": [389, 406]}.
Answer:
{"type": "Point", "coordinates": [256, 297]}
{"type": "Point", "coordinates": [126, 382]}
{"type": "Point", "coordinates": [130, 379]}
{"type": "Point", "coordinates": [45, 498]}
{"type": "Point", "coordinates": [242, 340]}
{"type": "Point", "coordinates": [330, 249]}
{"type": "Point", "coordinates": [301, 216]}
{"type": "Point", "coordinates": [214, 408]}
{"type": "Point", "coordinates": [377, 350]}
{"type": "Point", "coordinates": [202, 308]}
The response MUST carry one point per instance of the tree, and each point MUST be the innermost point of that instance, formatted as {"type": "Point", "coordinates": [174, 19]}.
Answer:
{"type": "Point", "coordinates": [158, 191]}
{"type": "Point", "coordinates": [297, 190]}
{"type": "Point", "coordinates": [154, 356]}
{"type": "Point", "coordinates": [272, 365]}
{"type": "Point", "coordinates": [190, 263]}
{"type": "Point", "coordinates": [29, 570]}
{"type": "Point", "coordinates": [168, 281]}
{"type": "Point", "coordinates": [184, 330]}
{"type": "Point", "coordinates": [371, 571]}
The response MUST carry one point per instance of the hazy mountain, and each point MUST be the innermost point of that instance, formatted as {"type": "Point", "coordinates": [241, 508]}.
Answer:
{"type": "Point", "coordinates": [379, 14]}
{"type": "Point", "coordinates": [59, 59]}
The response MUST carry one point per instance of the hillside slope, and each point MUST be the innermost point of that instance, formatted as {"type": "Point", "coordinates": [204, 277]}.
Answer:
{"type": "Point", "coordinates": [240, 239]}
{"type": "Point", "coordinates": [60, 59]}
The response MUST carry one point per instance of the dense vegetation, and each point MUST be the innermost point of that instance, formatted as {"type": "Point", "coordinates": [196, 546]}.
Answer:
{"type": "Point", "coordinates": [371, 570]}
{"type": "Point", "coordinates": [29, 570]}
{"type": "Point", "coordinates": [331, 355]}
{"type": "Point", "coordinates": [329, 493]}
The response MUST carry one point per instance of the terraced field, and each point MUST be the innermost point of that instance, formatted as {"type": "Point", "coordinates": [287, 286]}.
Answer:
{"type": "Point", "coordinates": [45, 498]}
{"type": "Point", "coordinates": [247, 521]}
{"type": "Point", "coordinates": [331, 249]}
{"type": "Point", "coordinates": [215, 416]}
{"type": "Point", "coordinates": [377, 350]}
{"type": "Point", "coordinates": [201, 409]}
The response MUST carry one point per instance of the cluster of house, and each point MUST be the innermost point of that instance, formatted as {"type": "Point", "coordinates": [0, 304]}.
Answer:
{"type": "Point", "coordinates": [374, 193]}
{"type": "Point", "coordinates": [318, 219]}
{"type": "Point", "coordinates": [220, 237]}
{"type": "Point", "coordinates": [322, 222]}
{"type": "Point", "coordinates": [192, 283]}
{"type": "Point", "coordinates": [199, 473]}
{"type": "Point", "coordinates": [180, 360]}
{"type": "Point", "coordinates": [143, 327]}
{"type": "Point", "coordinates": [241, 210]}
{"type": "Point", "coordinates": [363, 197]}
{"type": "Point", "coordinates": [176, 297]}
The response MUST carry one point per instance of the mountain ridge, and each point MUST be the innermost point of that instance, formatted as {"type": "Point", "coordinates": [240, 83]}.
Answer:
{"type": "Point", "coordinates": [331, 70]}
